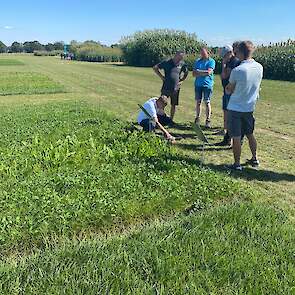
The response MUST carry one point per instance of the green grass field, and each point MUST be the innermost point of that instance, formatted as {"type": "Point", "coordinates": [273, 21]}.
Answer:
{"type": "Point", "coordinates": [10, 62]}
{"type": "Point", "coordinates": [27, 83]}
{"type": "Point", "coordinates": [91, 206]}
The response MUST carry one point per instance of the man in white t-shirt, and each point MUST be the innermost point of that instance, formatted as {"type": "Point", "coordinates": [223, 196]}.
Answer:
{"type": "Point", "coordinates": [244, 85]}
{"type": "Point", "coordinates": [154, 116]}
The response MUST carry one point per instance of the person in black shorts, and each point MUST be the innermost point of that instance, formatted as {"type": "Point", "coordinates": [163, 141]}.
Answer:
{"type": "Point", "coordinates": [244, 85]}
{"type": "Point", "coordinates": [229, 62]}
{"type": "Point", "coordinates": [175, 72]}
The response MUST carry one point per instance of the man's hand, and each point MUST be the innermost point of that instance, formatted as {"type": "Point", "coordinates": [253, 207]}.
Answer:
{"type": "Point", "coordinates": [230, 88]}
{"type": "Point", "coordinates": [166, 133]}
{"type": "Point", "coordinates": [210, 71]}
{"type": "Point", "coordinates": [170, 138]}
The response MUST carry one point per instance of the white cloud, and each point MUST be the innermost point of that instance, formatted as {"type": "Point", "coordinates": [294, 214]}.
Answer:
{"type": "Point", "coordinates": [8, 27]}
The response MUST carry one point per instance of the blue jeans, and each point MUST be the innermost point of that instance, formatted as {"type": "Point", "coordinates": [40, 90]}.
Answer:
{"type": "Point", "coordinates": [203, 93]}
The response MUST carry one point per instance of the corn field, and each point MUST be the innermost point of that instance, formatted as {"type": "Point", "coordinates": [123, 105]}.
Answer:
{"type": "Point", "coordinates": [150, 47]}
{"type": "Point", "coordinates": [278, 60]}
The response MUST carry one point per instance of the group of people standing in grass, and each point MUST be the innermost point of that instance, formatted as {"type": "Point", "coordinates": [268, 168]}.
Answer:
{"type": "Point", "coordinates": [241, 77]}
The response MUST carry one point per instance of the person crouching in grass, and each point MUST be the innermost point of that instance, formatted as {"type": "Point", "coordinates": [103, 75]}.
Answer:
{"type": "Point", "coordinates": [204, 73]}
{"type": "Point", "coordinates": [244, 85]}
{"type": "Point", "coordinates": [154, 115]}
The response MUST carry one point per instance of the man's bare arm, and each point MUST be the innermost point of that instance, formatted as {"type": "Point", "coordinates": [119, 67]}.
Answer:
{"type": "Point", "coordinates": [157, 71]}
{"type": "Point", "coordinates": [166, 133]}
{"type": "Point", "coordinates": [230, 88]}
{"type": "Point", "coordinates": [202, 73]}
{"type": "Point", "coordinates": [184, 76]}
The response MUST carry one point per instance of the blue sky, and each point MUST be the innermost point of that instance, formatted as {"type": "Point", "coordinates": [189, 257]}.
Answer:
{"type": "Point", "coordinates": [216, 22]}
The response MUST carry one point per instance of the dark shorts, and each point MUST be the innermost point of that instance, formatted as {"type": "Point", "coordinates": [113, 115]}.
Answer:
{"type": "Point", "coordinates": [164, 120]}
{"type": "Point", "coordinates": [239, 123]}
{"type": "Point", "coordinates": [147, 125]}
{"type": "Point", "coordinates": [203, 93]}
{"type": "Point", "coordinates": [173, 94]}
{"type": "Point", "coordinates": [225, 101]}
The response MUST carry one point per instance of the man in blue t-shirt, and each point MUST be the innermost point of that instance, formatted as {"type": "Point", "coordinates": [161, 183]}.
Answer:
{"type": "Point", "coordinates": [204, 73]}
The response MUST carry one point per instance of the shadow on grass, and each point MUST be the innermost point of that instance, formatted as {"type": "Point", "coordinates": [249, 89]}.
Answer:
{"type": "Point", "coordinates": [248, 173]}
{"type": "Point", "coordinates": [199, 147]}
{"type": "Point", "coordinates": [184, 135]}
{"type": "Point", "coordinates": [182, 127]}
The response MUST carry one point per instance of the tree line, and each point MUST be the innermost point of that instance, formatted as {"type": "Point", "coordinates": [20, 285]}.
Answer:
{"type": "Point", "coordinates": [30, 47]}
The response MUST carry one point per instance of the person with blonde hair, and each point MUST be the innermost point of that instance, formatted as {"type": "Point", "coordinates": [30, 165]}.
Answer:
{"type": "Point", "coordinates": [203, 71]}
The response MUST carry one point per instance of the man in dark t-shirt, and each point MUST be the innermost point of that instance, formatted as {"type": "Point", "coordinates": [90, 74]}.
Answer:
{"type": "Point", "coordinates": [229, 62]}
{"type": "Point", "coordinates": [175, 72]}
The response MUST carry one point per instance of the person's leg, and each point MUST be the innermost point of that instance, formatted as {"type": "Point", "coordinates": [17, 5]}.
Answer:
{"type": "Point", "coordinates": [252, 145]}
{"type": "Point", "coordinates": [147, 125]}
{"type": "Point", "coordinates": [174, 97]}
{"type": "Point", "coordinates": [207, 98]}
{"type": "Point", "coordinates": [172, 111]}
{"type": "Point", "coordinates": [164, 120]}
{"type": "Point", "coordinates": [237, 150]}
{"type": "Point", "coordinates": [226, 139]}
{"type": "Point", "coordinates": [208, 111]}
{"type": "Point", "coordinates": [225, 101]}
{"type": "Point", "coordinates": [198, 108]}
{"type": "Point", "coordinates": [234, 125]}
{"type": "Point", "coordinates": [248, 126]}
{"type": "Point", "coordinates": [225, 121]}
{"type": "Point", "coordinates": [198, 98]}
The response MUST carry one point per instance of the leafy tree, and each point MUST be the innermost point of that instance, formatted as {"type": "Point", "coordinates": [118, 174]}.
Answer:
{"type": "Point", "coordinates": [3, 47]}
{"type": "Point", "coordinates": [91, 42]}
{"type": "Point", "coordinates": [58, 45]}
{"type": "Point", "coordinates": [16, 47]}
{"type": "Point", "coordinates": [31, 46]}
{"type": "Point", "coordinates": [49, 47]}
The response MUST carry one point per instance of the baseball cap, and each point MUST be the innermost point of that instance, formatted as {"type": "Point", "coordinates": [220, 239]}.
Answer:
{"type": "Point", "coordinates": [226, 49]}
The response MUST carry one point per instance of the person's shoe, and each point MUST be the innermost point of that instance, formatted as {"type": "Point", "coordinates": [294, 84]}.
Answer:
{"type": "Point", "coordinates": [235, 167]}
{"type": "Point", "coordinates": [226, 141]}
{"type": "Point", "coordinates": [208, 124]}
{"type": "Point", "coordinates": [172, 124]}
{"type": "Point", "coordinates": [253, 162]}
{"type": "Point", "coordinates": [220, 132]}
{"type": "Point", "coordinates": [197, 120]}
